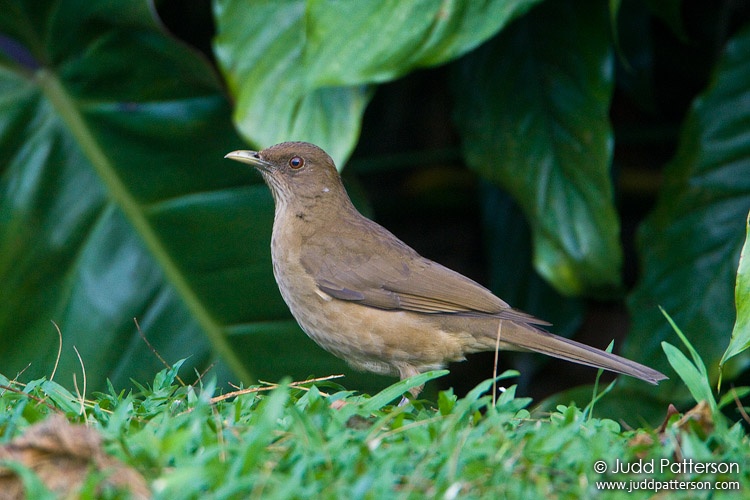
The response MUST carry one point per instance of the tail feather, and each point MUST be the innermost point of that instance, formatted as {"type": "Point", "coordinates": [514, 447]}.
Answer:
{"type": "Point", "coordinates": [533, 339]}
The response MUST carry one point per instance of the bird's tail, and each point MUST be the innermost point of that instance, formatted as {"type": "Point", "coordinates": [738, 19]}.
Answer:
{"type": "Point", "coordinates": [531, 338]}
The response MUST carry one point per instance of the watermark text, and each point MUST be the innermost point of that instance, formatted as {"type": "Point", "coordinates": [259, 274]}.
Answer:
{"type": "Point", "coordinates": [666, 466]}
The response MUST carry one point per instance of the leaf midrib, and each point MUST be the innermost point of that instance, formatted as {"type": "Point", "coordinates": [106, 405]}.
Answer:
{"type": "Point", "coordinates": [71, 116]}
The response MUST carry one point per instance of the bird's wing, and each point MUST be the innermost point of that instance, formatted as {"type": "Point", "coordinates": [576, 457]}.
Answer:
{"type": "Point", "coordinates": [388, 274]}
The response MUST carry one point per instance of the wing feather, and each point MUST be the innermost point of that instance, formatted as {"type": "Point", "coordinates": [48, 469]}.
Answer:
{"type": "Point", "coordinates": [387, 274]}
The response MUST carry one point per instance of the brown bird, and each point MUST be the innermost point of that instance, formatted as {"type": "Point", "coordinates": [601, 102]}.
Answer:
{"type": "Point", "coordinates": [367, 297]}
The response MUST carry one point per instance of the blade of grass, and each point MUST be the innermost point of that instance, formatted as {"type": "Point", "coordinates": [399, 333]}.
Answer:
{"type": "Point", "coordinates": [399, 388]}
{"type": "Point", "coordinates": [588, 412]}
{"type": "Point", "coordinates": [695, 381]}
{"type": "Point", "coordinates": [693, 353]}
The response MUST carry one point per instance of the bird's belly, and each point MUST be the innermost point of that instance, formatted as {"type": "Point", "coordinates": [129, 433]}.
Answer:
{"type": "Point", "coordinates": [367, 338]}
{"type": "Point", "coordinates": [377, 340]}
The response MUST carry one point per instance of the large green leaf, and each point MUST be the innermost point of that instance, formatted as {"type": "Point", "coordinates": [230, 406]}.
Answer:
{"type": "Point", "coordinates": [741, 332]}
{"type": "Point", "coordinates": [690, 244]}
{"type": "Point", "coordinates": [669, 11]}
{"type": "Point", "coordinates": [532, 109]}
{"type": "Point", "coordinates": [300, 69]}
{"type": "Point", "coordinates": [512, 276]}
{"type": "Point", "coordinates": [115, 203]}
{"type": "Point", "coordinates": [350, 43]}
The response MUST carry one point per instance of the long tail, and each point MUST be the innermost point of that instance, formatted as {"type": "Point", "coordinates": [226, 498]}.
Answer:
{"type": "Point", "coordinates": [533, 339]}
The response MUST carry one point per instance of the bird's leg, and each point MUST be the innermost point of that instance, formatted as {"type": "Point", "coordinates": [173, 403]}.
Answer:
{"type": "Point", "coordinates": [405, 372]}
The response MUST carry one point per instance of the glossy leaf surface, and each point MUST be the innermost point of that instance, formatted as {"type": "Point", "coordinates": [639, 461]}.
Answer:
{"type": "Point", "coordinates": [532, 107]}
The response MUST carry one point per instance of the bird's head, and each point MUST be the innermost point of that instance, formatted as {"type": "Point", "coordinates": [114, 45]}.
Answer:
{"type": "Point", "coordinates": [295, 171]}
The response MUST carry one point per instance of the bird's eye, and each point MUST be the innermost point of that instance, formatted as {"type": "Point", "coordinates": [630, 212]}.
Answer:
{"type": "Point", "coordinates": [296, 162]}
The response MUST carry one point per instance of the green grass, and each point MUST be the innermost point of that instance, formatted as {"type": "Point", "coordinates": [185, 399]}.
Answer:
{"type": "Point", "coordinates": [317, 440]}
{"type": "Point", "coordinates": [314, 439]}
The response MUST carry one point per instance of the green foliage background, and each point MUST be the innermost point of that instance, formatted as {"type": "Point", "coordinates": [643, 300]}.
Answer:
{"type": "Point", "coordinates": [115, 201]}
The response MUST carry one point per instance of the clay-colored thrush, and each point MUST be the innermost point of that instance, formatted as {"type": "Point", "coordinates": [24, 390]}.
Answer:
{"type": "Point", "coordinates": [368, 298]}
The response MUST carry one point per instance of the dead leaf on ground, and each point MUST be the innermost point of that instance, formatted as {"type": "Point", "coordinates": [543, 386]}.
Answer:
{"type": "Point", "coordinates": [63, 455]}
{"type": "Point", "coordinates": [698, 419]}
